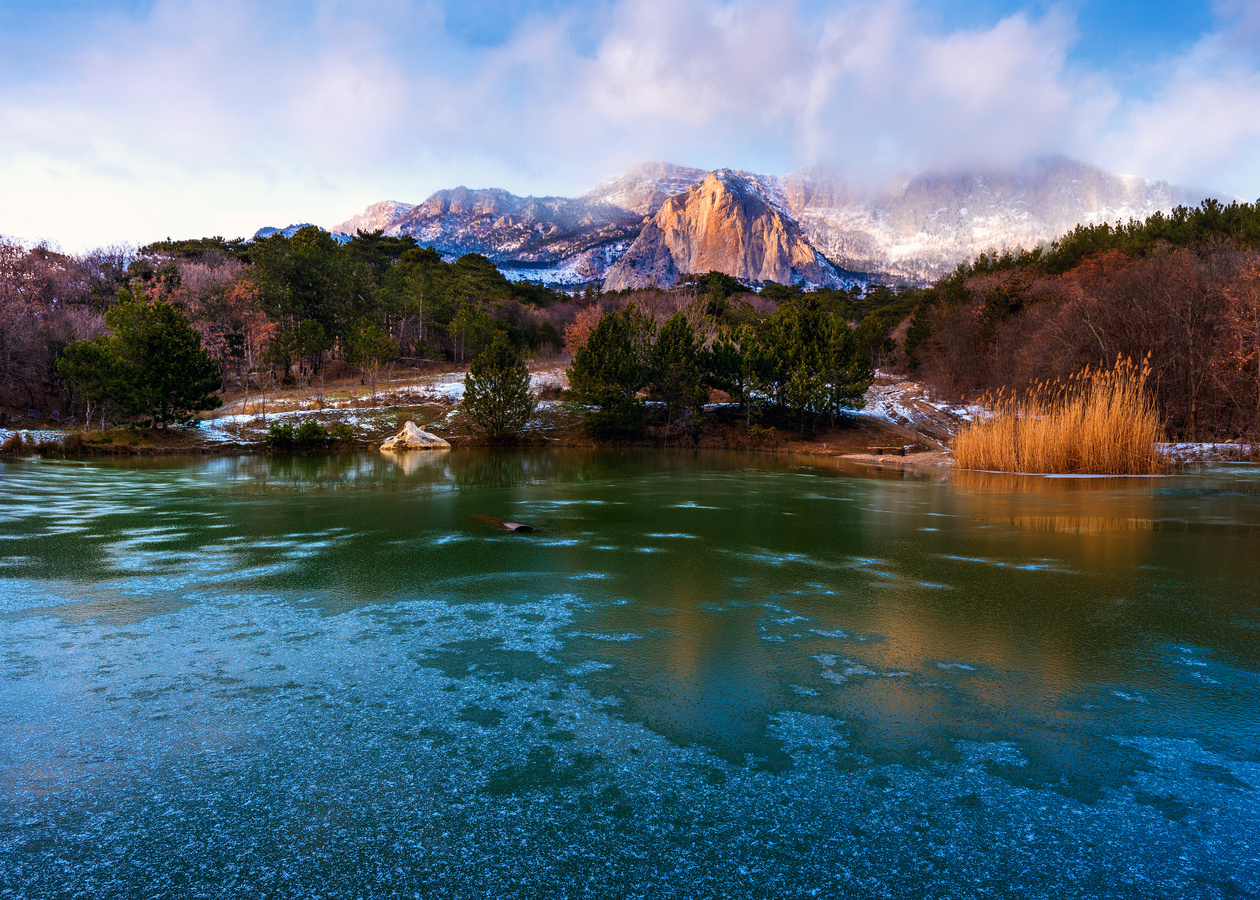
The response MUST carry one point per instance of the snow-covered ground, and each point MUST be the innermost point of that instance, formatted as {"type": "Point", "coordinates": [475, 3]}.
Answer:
{"type": "Point", "coordinates": [1184, 452]}
{"type": "Point", "coordinates": [910, 405]}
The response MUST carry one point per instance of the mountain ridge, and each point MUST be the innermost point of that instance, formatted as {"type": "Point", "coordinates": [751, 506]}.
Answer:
{"type": "Point", "coordinates": [913, 231]}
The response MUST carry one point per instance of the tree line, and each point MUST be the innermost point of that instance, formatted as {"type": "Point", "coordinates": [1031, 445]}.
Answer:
{"type": "Point", "coordinates": [78, 334]}
{"type": "Point", "coordinates": [272, 311]}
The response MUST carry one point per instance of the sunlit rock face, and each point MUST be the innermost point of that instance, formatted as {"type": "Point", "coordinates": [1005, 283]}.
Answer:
{"type": "Point", "coordinates": [727, 223]}
{"type": "Point", "coordinates": [922, 228]}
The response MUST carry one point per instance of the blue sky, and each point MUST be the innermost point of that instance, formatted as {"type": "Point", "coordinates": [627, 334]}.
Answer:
{"type": "Point", "coordinates": [130, 121]}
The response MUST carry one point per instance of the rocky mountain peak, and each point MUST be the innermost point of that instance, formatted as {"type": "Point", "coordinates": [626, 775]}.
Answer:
{"type": "Point", "coordinates": [728, 223]}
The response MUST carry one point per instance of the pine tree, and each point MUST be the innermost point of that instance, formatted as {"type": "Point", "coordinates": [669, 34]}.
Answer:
{"type": "Point", "coordinates": [676, 378]}
{"type": "Point", "coordinates": [369, 347]}
{"type": "Point", "coordinates": [152, 366]}
{"type": "Point", "coordinates": [609, 370]}
{"type": "Point", "coordinates": [496, 391]}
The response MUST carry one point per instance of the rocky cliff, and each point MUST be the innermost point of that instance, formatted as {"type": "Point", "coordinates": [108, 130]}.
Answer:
{"type": "Point", "coordinates": [534, 234]}
{"type": "Point", "coordinates": [726, 223]}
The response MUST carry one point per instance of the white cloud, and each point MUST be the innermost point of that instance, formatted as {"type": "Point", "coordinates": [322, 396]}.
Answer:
{"type": "Point", "coordinates": [200, 117]}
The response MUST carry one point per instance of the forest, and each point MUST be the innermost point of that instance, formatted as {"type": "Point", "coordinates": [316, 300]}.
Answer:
{"type": "Point", "coordinates": [294, 311]}
{"type": "Point", "coordinates": [1179, 292]}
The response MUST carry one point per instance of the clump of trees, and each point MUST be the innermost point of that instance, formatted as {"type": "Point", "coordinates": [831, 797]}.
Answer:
{"type": "Point", "coordinates": [272, 311]}
{"type": "Point", "coordinates": [798, 367]}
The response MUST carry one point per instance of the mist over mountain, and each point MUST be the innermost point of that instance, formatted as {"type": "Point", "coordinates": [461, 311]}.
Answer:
{"type": "Point", "coordinates": [658, 221]}
{"type": "Point", "coordinates": [922, 228]}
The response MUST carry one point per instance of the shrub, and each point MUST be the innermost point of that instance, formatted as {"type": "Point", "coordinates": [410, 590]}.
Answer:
{"type": "Point", "coordinates": [280, 435]}
{"type": "Point", "coordinates": [13, 444]}
{"type": "Point", "coordinates": [310, 434]}
{"type": "Point", "coordinates": [1099, 423]}
{"type": "Point", "coordinates": [342, 432]}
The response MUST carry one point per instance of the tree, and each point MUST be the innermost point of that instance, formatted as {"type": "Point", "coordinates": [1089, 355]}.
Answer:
{"type": "Point", "coordinates": [94, 369]}
{"type": "Point", "coordinates": [369, 347]}
{"type": "Point", "coordinates": [1242, 326]}
{"type": "Point", "coordinates": [676, 378]}
{"type": "Point", "coordinates": [496, 391]}
{"type": "Point", "coordinates": [806, 364]}
{"type": "Point", "coordinates": [609, 370]}
{"type": "Point", "coordinates": [152, 366]}
{"type": "Point", "coordinates": [472, 328]}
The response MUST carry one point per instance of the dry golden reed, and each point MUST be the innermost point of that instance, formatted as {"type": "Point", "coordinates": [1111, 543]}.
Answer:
{"type": "Point", "coordinates": [1100, 422]}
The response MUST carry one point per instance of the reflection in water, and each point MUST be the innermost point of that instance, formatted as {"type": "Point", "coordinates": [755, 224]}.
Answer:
{"type": "Point", "coordinates": [706, 674]}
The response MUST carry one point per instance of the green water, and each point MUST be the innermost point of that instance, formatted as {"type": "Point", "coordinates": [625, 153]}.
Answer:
{"type": "Point", "coordinates": [701, 676]}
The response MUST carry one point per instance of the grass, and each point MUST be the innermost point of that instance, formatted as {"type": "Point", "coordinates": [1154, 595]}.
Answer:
{"type": "Point", "coordinates": [1100, 422]}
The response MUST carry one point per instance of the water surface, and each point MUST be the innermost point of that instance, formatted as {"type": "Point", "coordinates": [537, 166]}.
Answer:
{"type": "Point", "coordinates": [702, 676]}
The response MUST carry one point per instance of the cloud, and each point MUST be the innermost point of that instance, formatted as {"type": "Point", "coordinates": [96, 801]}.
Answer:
{"type": "Point", "coordinates": [1201, 124]}
{"type": "Point", "coordinates": [195, 117]}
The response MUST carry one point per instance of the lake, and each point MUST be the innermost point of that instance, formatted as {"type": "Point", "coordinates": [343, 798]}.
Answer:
{"type": "Point", "coordinates": [703, 675]}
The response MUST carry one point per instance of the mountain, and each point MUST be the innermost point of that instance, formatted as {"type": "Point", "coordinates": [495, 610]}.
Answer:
{"type": "Point", "coordinates": [643, 188]}
{"type": "Point", "coordinates": [378, 216]}
{"type": "Point", "coordinates": [726, 223]}
{"type": "Point", "coordinates": [813, 226]}
{"type": "Point", "coordinates": [288, 231]}
{"type": "Point", "coordinates": [922, 228]}
{"type": "Point", "coordinates": [548, 239]}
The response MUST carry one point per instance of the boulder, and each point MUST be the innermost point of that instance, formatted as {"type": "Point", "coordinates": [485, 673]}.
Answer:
{"type": "Point", "coordinates": [412, 438]}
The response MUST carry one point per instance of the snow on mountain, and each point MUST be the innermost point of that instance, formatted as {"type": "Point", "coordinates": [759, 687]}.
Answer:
{"type": "Point", "coordinates": [642, 188]}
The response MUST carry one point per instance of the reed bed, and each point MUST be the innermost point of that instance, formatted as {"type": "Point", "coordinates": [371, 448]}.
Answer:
{"type": "Point", "coordinates": [1098, 422]}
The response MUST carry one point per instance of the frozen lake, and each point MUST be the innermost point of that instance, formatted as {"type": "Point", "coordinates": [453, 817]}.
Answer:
{"type": "Point", "coordinates": [712, 675]}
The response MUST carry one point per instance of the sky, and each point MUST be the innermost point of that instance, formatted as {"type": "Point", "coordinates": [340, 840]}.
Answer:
{"type": "Point", "coordinates": [125, 122]}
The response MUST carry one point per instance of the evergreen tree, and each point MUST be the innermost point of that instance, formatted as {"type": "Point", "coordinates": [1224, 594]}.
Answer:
{"type": "Point", "coordinates": [496, 391]}
{"type": "Point", "coordinates": [805, 364]}
{"type": "Point", "coordinates": [676, 377]}
{"type": "Point", "coordinates": [97, 373]}
{"type": "Point", "coordinates": [153, 365]}
{"type": "Point", "coordinates": [369, 347]}
{"type": "Point", "coordinates": [609, 370]}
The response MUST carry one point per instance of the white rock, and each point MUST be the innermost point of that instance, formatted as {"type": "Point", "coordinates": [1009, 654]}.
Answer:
{"type": "Point", "coordinates": [412, 438]}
